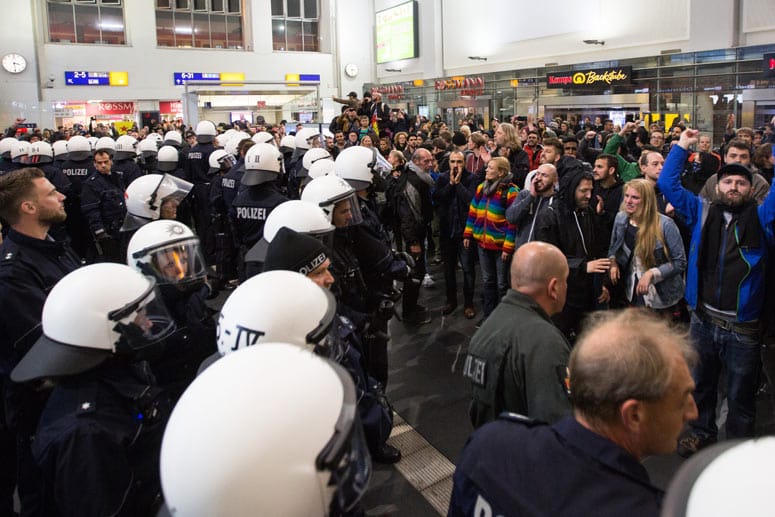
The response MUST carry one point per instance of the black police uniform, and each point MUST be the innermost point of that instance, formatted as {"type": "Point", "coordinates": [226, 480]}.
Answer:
{"type": "Point", "coordinates": [516, 466]}
{"type": "Point", "coordinates": [6, 165]}
{"type": "Point", "coordinates": [248, 215]}
{"type": "Point", "coordinates": [99, 440]}
{"type": "Point", "coordinates": [192, 342]}
{"type": "Point", "coordinates": [230, 183]}
{"type": "Point", "coordinates": [77, 172]}
{"type": "Point", "coordinates": [197, 171]}
{"type": "Point", "coordinates": [127, 169]}
{"type": "Point", "coordinates": [104, 207]}
{"type": "Point", "coordinates": [225, 250]}
{"type": "Point", "coordinates": [29, 268]}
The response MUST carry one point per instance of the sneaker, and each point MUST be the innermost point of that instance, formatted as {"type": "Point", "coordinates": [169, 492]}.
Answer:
{"type": "Point", "coordinates": [692, 443]}
{"type": "Point", "coordinates": [427, 281]}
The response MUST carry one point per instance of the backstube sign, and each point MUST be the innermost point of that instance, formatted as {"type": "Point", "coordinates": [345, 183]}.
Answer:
{"type": "Point", "coordinates": [598, 79]}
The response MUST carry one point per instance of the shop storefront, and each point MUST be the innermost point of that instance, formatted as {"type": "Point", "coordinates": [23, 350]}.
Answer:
{"type": "Point", "coordinates": [119, 114]}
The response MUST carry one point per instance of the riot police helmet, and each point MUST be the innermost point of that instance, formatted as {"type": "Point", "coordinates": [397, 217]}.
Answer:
{"type": "Point", "coordinates": [152, 197]}
{"type": "Point", "coordinates": [167, 158]}
{"type": "Point", "coordinates": [287, 144]}
{"type": "Point", "coordinates": [220, 160]}
{"type": "Point", "coordinates": [93, 313]}
{"type": "Point", "coordinates": [60, 149]}
{"type": "Point", "coordinates": [263, 163]}
{"type": "Point", "coordinates": [5, 147]}
{"type": "Point", "coordinates": [167, 251]}
{"type": "Point", "coordinates": [359, 166]}
{"type": "Point", "coordinates": [20, 151]}
{"type": "Point", "coordinates": [320, 168]}
{"type": "Point", "coordinates": [307, 138]}
{"type": "Point", "coordinates": [41, 152]}
{"type": "Point", "coordinates": [310, 157]}
{"type": "Point", "coordinates": [263, 137]}
{"type": "Point", "coordinates": [337, 198]}
{"type": "Point", "coordinates": [173, 138]}
{"type": "Point", "coordinates": [105, 144]}
{"type": "Point", "coordinates": [78, 148]}
{"type": "Point", "coordinates": [126, 147]}
{"type": "Point", "coordinates": [309, 458]}
{"type": "Point", "coordinates": [205, 132]}
{"type": "Point", "coordinates": [147, 148]}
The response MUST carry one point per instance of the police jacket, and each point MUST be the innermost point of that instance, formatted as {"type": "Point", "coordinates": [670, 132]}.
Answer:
{"type": "Point", "coordinates": [250, 209]}
{"type": "Point", "coordinates": [515, 466]}
{"type": "Point", "coordinates": [55, 175]}
{"type": "Point", "coordinates": [127, 169]}
{"type": "Point", "coordinates": [29, 268]}
{"type": "Point", "coordinates": [452, 202]}
{"type": "Point", "coordinates": [98, 443]}
{"type": "Point", "coordinates": [517, 362]}
{"type": "Point", "coordinates": [191, 343]}
{"type": "Point", "coordinates": [197, 163]}
{"type": "Point", "coordinates": [6, 165]}
{"type": "Point", "coordinates": [102, 202]}
{"type": "Point", "coordinates": [349, 288]}
{"type": "Point", "coordinates": [695, 211]}
{"type": "Point", "coordinates": [230, 183]}
{"type": "Point", "coordinates": [77, 173]}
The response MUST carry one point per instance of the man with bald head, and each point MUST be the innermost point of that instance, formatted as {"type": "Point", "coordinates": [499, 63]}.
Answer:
{"type": "Point", "coordinates": [632, 395]}
{"type": "Point", "coordinates": [539, 192]}
{"type": "Point", "coordinates": [517, 361]}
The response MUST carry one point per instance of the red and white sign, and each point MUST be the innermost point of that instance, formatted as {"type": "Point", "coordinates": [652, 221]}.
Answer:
{"type": "Point", "coordinates": [261, 104]}
{"type": "Point", "coordinates": [171, 107]}
{"type": "Point", "coordinates": [110, 108]}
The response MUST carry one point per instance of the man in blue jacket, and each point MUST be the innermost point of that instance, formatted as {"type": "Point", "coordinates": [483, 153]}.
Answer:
{"type": "Point", "coordinates": [725, 288]}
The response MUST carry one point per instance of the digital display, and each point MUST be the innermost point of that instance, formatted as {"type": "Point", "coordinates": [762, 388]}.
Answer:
{"type": "Point", "coordinates": [87, 78]}
{"type": "Point", "coordinates": [397, 32]}
{"type": "Point", "coordinates": [182, 77]}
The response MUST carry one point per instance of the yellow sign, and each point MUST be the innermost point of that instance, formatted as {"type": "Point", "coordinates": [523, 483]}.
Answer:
{"type": "Point", "coordinates": [292, 79]}
{"type": "Point", "coordinates": [514, 83]}
{"type": "Point", "coordinates": [238, 77]}
{"type": "Point", "coordinates": [118, 78]}
{"type": "Point", "coordinates": [418, 82]}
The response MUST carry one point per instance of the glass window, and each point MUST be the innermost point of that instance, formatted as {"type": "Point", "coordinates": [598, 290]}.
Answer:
{"type": "Point", "coordinates": [205, 26]}
{"type": "Point", "coordinates": [295, 25]}
{"type": "Point", "coordinates": [86, 21]}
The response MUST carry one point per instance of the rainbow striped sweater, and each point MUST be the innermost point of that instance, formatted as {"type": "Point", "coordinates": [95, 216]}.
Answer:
{"type": "Point", "coordinates": [487, 218]}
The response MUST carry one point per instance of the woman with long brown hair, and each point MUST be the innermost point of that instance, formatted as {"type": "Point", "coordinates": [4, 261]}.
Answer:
{"type": "Point", "coordinates": [646, 251]}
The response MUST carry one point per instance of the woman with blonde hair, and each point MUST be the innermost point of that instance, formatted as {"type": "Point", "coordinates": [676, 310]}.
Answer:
{"type": "Point", "coordinates": [646, 251]}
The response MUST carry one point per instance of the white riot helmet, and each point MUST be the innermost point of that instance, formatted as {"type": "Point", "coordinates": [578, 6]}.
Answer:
{"type": "Point", "coordinates": [309, 458]}
{"type": "Point", "coordinates": [41, 152]}
{"type": "Point", "coordinates": [306, 138]}
{"type": "Point", "coordinates": [299, 216]}
{"type": "Point", "coordinates": [359, 166]}
{"type": "Point", "coordinates": [173, 138]}
{"type": "Point", "coordinates": [60, 149]}
{"type": "Point", "coordinates": [92, 142]}
{"type": "Point", "coordinates": [78, 148]}
{"type": "Point", "coordinates": [125, 147]}
{"type": "Point", "coordinates": [310, 157]}
{"type": "Point", "coordinates": [336, 198]}
{"type": "Point", "coordinates": [167, 158]}
{"type": "Point", "coordinates": [20, 151]}
{"type": "Point", "coordinates": [287, 143]}
{"type": "Point", "coordinates": [263, 137]}
{"type": "Point", "coordinates": [167, 251]}
{"type": "Point", "coordinates": [265, 308]}
{"type": "Point", "coordinates": [147, 148]}
{"type": "Point", "coordinates": [263, 162]}
{"type": "Point", "coordinates": [232, 144]}
{"type": "Point", "coordinates": [149, 197]}
{"type": "Point", "coordinates": [91, 314]}
{"type": "Point", "coordinates": [5, 147]}
{"type": "Point", "coordinates": [106, 144]}
{"type": "Point", "coordinates": [205, 132]}
{"type": "Point", "coordinates": [321, 168]}
{"type": "Point", "coordinates": [220, 160]}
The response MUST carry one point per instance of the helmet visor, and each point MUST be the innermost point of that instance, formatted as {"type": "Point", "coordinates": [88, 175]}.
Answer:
{"type": "Point", "coordinates": [175, 263]}
{"type": "Point", "coordinates": [346, 455]}
{"type": "Point", "coordinates": [346, 212]}
{"type": "Point", "coordinates": [380, 166]}
{"type": "Point", "coordinates": [144, 321]}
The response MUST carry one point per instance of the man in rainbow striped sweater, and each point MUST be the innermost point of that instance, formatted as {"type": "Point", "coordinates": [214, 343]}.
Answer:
{"type": "Point", "coordinates": [487, 225]}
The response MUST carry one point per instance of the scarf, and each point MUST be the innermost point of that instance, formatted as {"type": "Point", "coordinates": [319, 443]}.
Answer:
{"type": "Point", "coordinates": [746, 219]}
{"type": "Point", "coordinates": [491, 186]}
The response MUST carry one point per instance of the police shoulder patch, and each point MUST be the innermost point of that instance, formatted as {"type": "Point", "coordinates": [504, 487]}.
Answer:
{"type": "Point", "coordinates": [475, 369]}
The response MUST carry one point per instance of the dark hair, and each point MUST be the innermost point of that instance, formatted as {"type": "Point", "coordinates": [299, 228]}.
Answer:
{"type": "Point", "coordinates": [610, 160]}
{"type": "Point", "coordinates": [738, 144]}
{"type": "Point", "coordinates": [761, 158]}
{"type": "Point", "coordinates": [554, 142]}
{"type": "Point", "coordinates": [15, 187]}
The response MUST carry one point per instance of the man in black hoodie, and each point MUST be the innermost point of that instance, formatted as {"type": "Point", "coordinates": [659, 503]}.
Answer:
{"type": "Point", "coordinates": [607, 195]}
{"type": "Point", "coordinates": [454, 190]}
{"type": "Point", "coordinates": [572, 225]}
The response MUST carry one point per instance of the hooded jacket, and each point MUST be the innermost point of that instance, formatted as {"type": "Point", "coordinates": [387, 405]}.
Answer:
{"type": "Point", "coordinates": [487, 222]}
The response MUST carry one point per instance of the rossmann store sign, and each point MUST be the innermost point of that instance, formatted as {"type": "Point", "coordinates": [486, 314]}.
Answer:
{"type": "Point", "coordinates": [599, 79]}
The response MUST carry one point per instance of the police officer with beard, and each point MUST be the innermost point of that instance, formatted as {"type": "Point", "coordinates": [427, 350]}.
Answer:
{"type": "Point", "coordinates": [197, 168]}
{"type": "Point", "coordinates": [168, 252]}
{"type": "Point", "coordinates": [251, 207]}
{"type": "Point", "coordinates": [102, 426]}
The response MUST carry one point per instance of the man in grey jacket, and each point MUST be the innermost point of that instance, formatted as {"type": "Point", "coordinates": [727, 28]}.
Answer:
{"type": "Point", "coordinates": [523, 210]}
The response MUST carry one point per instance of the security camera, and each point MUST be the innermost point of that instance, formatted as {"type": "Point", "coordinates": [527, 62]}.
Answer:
{"type": "Point", "coordinates": [51, 78]}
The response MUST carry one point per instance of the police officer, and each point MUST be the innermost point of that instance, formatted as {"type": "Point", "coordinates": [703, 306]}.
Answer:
{"type": "Point", "coordinates": [251, 207]}
{"type": "Point", "coordinates": [124, 163]}
{"type": "Point", "coordinates": [6, 144]}
{"type": "Point", "coordinates": [197, 172]}
{"type": "Point", "coordinates": [168, 161]}
{"type": "Point", "coordinates": [152, 197]}
{"type": "Point", "coordinates": [167, 252]}
{"type": "Point", "coordinates": [147, 155]}
{"type": "Point", "coordinates": [31, 262]}
{"type": "Point", "coordinates": [308, 459]}
{"type": "Point", "coordinates": [77, 168]}
{"type": "Point", "coordinates": [59, 148]}
{"type": "Point", "coordinates": [225, 254]}
{"type": "Point", "coordinates": [19, 154]}
{"type": "Point", "coordinates": [103, 206]}
{"type": "Point", "coordinates": [231, 183]}
{"type": "Point", "coordinates": [305, 139]}
{"type": "Point", "coordinates": [102, 426]}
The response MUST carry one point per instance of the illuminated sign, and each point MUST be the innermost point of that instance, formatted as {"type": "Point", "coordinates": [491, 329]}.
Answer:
{"type": "Point", "coordinates": [110, 108]}
{"type": "Point", "coordinates": [769, 65]}
{"type": "Point", "coordinates": [168, 107]}
{"type": "Point", "coordinates": [599, 79]}
{"type": "Point", "coordinates": [397, 33]}
{"type": "Point", "coordinates": [182, 77]}
{"type": "Point", "coordinates": [79, 78]}
{"type": "Point", "coordinates": [469, 86]}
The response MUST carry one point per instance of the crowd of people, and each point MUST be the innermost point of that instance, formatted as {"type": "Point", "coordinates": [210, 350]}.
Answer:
{"type": "Point", "coordinates": [114, 244]}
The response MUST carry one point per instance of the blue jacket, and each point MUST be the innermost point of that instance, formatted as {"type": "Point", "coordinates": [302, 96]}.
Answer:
{"type": "Point", "coordinates": [668, 280]}
{"type": "Point", "coordinates": [694, 209]}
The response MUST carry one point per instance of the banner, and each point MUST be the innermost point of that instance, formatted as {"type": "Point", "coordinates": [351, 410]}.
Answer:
{"type": "Point", "coordinates": [598, 79]}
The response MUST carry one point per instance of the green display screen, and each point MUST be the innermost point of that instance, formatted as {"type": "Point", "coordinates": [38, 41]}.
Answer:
{"type": "Point", "coordinates": [397, 33]}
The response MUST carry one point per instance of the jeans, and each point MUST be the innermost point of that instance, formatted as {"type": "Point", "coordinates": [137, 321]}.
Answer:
{"type": "Point", "coordinates": [495, 278]}
{"type": "Point", "coordinates": [741, 355]}
{"type": "Point", "coordinates": [454, 252]}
